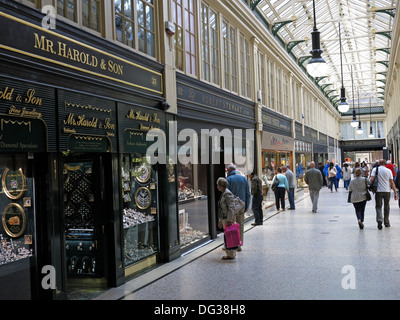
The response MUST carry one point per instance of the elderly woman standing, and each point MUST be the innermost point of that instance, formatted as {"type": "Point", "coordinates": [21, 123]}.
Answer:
{"type": "Point", "coordinates": [358, 189]}
{"type": "Point", "coordinates": [226, 211]}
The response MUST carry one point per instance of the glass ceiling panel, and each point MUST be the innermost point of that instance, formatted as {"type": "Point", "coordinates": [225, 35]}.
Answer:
{"type": "Point", "coordinates": [365, 33]}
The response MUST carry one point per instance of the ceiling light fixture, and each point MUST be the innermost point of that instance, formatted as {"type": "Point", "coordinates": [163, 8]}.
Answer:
{"type": "Point", "coordinates": [317, 66]}
{"type": "Point", "coordinates": [354, 122]}
{"type": "Point", "coordinates": [343, 105]}
{"type": "Point", "coordinates": [359, 129]}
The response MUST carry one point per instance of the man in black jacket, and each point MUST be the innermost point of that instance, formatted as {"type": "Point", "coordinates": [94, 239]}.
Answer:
{"type": "Point", "coordinates": [256, 192]}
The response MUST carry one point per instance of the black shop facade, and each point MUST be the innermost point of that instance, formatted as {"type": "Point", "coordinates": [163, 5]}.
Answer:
{"type": "Point", "coordinates": [80, 200]}
{"type": "Point", "coordinates": [223, 125]}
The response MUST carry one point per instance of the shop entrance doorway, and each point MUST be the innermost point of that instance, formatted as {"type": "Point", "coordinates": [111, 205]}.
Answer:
{"type": "Point", "coordinates": [86, 199]}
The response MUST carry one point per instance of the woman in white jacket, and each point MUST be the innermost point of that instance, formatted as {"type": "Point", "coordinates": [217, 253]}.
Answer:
{"type": "Point", "coordinates": [346, 171]}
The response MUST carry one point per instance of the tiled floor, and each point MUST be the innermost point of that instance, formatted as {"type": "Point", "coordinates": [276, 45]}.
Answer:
{"type": "Point", "coordinates": [294, 255]}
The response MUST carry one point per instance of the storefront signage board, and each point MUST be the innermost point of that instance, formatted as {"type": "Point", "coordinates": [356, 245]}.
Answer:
{"type": "Point", "coordinates": [33, 41]}
{"type": "Point", "coordinates": [87, 124]}
{"type": "Point", "coordinates": [27, 121]}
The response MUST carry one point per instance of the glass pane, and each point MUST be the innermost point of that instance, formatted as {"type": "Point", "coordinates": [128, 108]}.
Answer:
{"type": "Point", "coordinates": [193, 65]}
{"type": "Point", "coordinates": [193, 203]}
{"type": "Point", "coordinates": [380, 129]}
{"type": "Point", "coordinates": [128, 9]}
{"type": "Point", "coordinates": [149, 18]}
{"type": "Point", "coordinates": [150, 44]}
{"type": "Point", "coordinates": [60, 8]}
{"type": "Point", "coordinates": [85, 13]}
{"type": "Point", "coordinates": [129, 34]}
{"type": "Point", "coordinates": [71, 5]}
{"type": "Point", "coordinates": [118, 6]}
{"type": "Point", "coordinates": [118, 29]}
{"type": "Point", "coordinates": [140, 217]}
{"type": "Point", "coordinates": [192, 45]}
{"type": "Point", "coordinates": [96, 12]}
{"type": "Point", "coordinates": [141, 38]}
{"type": "Point", "coordinates": [140, 13]}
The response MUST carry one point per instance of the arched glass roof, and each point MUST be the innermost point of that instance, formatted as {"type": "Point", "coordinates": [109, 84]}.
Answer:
{"type": "Point", "coordinates": [366, 27]}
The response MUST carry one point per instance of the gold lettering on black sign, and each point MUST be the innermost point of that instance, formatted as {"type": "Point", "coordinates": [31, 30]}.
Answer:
{"type": "Point", "coordinates": [62, 49]}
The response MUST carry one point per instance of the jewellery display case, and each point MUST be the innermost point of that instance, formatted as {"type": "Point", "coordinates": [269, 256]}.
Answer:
{"type": "Point", "coordinates": [140, 212]}
{"type": "Point", "coordinates": [193, 204]}
{"type": "Point", "coordinates": [81, 232]}
{"type": "Point", "coordinates": [17, 229]}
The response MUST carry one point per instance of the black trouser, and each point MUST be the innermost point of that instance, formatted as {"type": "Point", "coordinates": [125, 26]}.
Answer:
{"type": "Point", "coordinates": [280, 197]}
{"type": "Point", "coordinates": [257, 209]}
{"type": "Point", "coordinates": [360, 209]}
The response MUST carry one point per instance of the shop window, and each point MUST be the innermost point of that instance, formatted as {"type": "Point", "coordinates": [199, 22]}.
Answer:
{"type": "Point", "coordinates": [185, 35]}
{"type": "Point", "coordinates": [17, 230]}
{"type": "Point", "coordinates": [86, 13]}
{"type": "Point", "coordinates": [193, 203]}
{"type": "Point", "coordinates": [139, 182]}
{"type": "Point", "coordinates": [135, 24]}
{"type": "Point", "coordinates": [271, 160]}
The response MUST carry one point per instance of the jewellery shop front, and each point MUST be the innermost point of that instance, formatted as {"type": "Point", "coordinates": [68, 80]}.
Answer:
{"type": "Point", "coordinates": [212, 117]}
{"type": "Point", "coordinates": [27, 133]}
{"type": "Point", "coordinates": [277, 149]}
{"type": "Point", "coordinates": [78, 197]}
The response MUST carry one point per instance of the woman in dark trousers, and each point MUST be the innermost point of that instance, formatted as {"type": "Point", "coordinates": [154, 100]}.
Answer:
{"type": "Point", "coordinates": [280, 191]}
{"type": "Point", "coordinates": [358, 189]}
{"type": "Point", "coordinates": [332, 175]}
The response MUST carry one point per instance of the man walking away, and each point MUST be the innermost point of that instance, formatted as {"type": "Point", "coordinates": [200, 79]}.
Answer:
{"type": "Point", "coordinates": [239, 186]}
{"type": "Point", "coordinates": [314, 180]}
{"type": "Point", "coordinates": [385, 183]}
{"type": "Point", "coordinates": [292, 185]}
{"type": "Point", "coordinates": [256, 192]}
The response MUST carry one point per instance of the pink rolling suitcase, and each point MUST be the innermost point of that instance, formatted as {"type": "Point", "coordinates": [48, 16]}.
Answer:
{"type": "Point", "coordinates": [232, 236]}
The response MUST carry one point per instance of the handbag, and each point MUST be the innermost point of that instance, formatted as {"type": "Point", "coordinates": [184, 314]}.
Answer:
{"type": "Point", "coordinates": [374, 185]}
{"type": "Point", "coordinates": [368, 194]}
{"type": "Point", "coordinates": [349, 197]}
{"type": "Point", "coordinates": [238, 204]}
{"type": "Point", "coordinates": [275, 185]}
{"type": "Point", "coordinates": [232, 236]}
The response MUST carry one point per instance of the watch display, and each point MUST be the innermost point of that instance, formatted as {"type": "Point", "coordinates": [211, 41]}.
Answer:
{"type": "Point", "coordinates": [139, 194]}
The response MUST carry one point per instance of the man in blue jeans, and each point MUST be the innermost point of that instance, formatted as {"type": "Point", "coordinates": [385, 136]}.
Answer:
{"type": "Point", "coordinates": [292, 185]}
